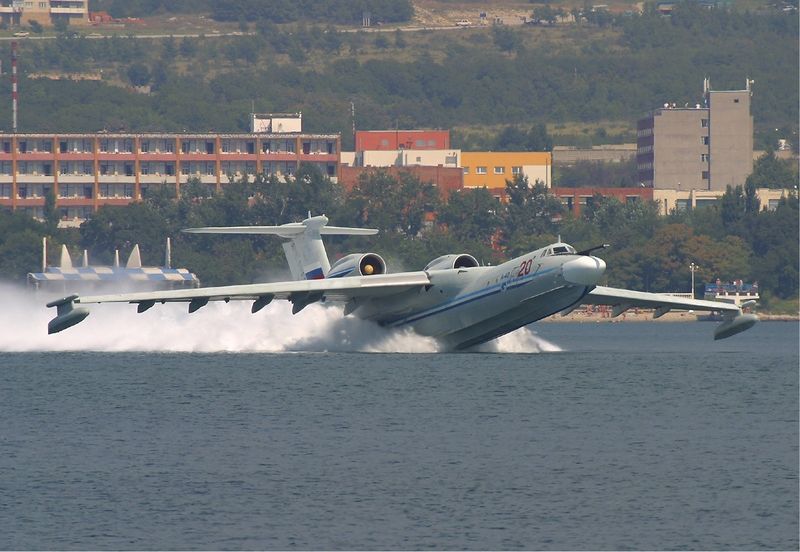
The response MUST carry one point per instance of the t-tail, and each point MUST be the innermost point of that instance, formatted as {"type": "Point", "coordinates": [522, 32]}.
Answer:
{"type": "Point", "coordinates": [303, 245]}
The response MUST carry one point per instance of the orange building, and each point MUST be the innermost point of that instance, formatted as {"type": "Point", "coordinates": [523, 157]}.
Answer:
{"type": "Point", "coordinates": [491, 169]}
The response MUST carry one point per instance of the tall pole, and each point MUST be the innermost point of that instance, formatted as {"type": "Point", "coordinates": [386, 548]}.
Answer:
{"type": "Point", "coordinates": [692, 268]}
{"type": "Point", "coordinates": [353, 116]}
{"type": "Point", "coordinates": [14, 94]}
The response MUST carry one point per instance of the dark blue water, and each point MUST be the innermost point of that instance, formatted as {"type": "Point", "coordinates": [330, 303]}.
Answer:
{"type": "Point", "coordinates": [638, 436]}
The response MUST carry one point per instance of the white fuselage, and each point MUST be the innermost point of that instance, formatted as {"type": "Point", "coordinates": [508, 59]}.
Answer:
{"type": "Point", "coordinates": [467, 306]}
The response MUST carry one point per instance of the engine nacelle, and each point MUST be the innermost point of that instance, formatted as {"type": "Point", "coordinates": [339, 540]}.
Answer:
{"type": "Point", "coordinates": [447, 262]}
{"type": "Point", "coordinates": [358, 264]}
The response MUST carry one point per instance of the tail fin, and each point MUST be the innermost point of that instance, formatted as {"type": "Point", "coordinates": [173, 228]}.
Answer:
{"type": "Point", "coordinates": [303, 247]}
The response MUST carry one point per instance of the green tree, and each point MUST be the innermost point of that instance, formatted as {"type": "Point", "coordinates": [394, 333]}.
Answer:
{"type": "Point", "coordinates": [771, 172]}
{"type": "Point", "coordinates": [507, 40]}
{"type": "Point", "coordinates": [531, 211]}
{"type": "Point", "coordinates": [473, 214]}
{"type": "Point", "coordinates": [139, 74]}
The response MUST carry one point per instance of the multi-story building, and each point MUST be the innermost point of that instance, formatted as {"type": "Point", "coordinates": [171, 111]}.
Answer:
{"type": "Point", "coordinates": [86, 171]}
{"type": "Point", "coordinates": [705, 147]}
{"type": "Point", "coordinates": [491, 169]}
{"type": "Point", "coordinates": [382, 140]}
{"type": "Point", "coordinates": [45, 12]}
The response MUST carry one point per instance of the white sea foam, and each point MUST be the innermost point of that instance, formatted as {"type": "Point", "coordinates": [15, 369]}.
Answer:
{"type": "Point", "coordinates": [217, 327]}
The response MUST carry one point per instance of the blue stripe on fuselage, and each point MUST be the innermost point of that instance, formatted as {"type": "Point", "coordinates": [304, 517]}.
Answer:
{"type": "Point", "coordinates": [470, 297]}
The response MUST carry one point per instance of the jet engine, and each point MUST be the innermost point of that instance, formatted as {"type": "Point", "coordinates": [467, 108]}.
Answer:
{"type": "Point", "coordinates": [446, 262]}
{"type": "Point", "coordinates": [358, 264]}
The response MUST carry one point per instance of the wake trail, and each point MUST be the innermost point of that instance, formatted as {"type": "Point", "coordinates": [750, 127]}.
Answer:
{"type": "Point", "coordinates": [218, 327]}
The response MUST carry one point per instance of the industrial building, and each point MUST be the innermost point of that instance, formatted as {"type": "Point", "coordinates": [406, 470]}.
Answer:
{"type": "Point", "coordinates": [68, 278]}
{"type": "Point", "coordinates": [704, 147]}
{"type": "Point", "coordinates": [44, 12]}
{"type": "Point", "coordinates": [87, 171]}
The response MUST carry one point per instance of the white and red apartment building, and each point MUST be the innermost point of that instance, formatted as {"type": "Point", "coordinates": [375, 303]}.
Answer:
{"type": "Point", "coordinates": [87, 171]}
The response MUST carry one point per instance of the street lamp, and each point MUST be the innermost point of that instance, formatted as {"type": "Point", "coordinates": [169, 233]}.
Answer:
{"type": "Point", "coordinates": [692, 268]}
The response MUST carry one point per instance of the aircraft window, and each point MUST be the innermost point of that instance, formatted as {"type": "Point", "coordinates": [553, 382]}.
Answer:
{"type": "Point", "coordinates": [560, 249]}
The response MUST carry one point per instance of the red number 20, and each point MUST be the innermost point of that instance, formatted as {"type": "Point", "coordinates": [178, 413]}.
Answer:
{"type": "Point", "coordinates": [525, 268]}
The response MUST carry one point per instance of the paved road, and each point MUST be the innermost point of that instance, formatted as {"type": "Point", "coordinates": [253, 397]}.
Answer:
{"type": "Point", "coordinates": [96, 35]}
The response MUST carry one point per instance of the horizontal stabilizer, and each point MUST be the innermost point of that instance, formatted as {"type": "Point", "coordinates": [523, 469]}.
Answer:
{"type": "Point", "coordinates": [285, 231]}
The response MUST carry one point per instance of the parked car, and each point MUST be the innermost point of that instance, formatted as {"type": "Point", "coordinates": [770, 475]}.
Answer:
{"type": "Point", "coordinates": [464, 23]}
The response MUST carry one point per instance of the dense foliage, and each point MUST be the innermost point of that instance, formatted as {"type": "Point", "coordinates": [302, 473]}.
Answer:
{"type": "Point", "coordinates": [278, 11]}
{"type": "Point", "coordinates": [735, 240]}
{"type": "Point", "coordinates": [423, 79]}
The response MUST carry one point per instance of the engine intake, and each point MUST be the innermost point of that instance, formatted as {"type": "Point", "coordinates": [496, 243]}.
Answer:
{"type": "Point", "coordinates": [447, 262]}
{"type": "Point", "coordinates": [358, 264]}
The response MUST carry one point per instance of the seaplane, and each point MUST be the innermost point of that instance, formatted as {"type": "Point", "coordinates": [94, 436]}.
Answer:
{"type": "Point", "coordinates": [452, 299]}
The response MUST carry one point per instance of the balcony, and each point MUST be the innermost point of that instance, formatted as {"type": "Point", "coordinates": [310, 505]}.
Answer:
{"type": "Point", "coordinates": [116, 179]}
{"type": "Point", "coordinates": [76, 178]}
{"type": "Point", "coordinates": [204, 178]}
{"type": "Point", "coordinates": [156, 178]}
{"type": "Point", "coordinates": [35, 178]}
{"type": "Point", "coordinates": [67, 11]}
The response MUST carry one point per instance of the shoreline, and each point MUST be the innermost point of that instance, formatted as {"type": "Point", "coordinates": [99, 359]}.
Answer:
{"type": "Point", "coordinates": [647, 316]}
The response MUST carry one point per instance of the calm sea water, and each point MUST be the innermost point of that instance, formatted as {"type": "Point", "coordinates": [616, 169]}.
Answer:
{"type": "Point", "coordinates": [635, 436]}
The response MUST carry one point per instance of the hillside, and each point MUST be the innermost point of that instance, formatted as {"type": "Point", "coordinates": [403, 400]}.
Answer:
{"type": "Point", "coordinates": [587, 81]}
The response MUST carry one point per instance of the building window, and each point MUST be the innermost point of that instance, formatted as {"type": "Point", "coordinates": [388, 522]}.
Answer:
{"type": "Point", "coordinates": [736, 100]}
{"type": "Point", "coordinates": [420, 143]}
{"type": "Point", "coordinates": [704, 123]}
{"type": "Point", "coordinates": [704, 175]}
{"type": "Point", "coordinates": [705, 140]}
{"type": "Point", "coordinates": [480, 170]}
{"type": "Point", "coordinates": [704, 157]}
{"type": "Point", "coordinates": [499, 170]}
{"type": "Point", "coordinates": [516, 170]}
{"type": "Point", "coordinates": [466, 170]}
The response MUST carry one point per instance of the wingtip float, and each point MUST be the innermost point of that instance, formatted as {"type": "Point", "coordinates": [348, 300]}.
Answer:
{"type": "Point", "coordinates": [67, 315]}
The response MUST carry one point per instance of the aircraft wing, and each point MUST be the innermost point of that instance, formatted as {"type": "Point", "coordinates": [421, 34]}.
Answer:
{"type": "Point", "coordinates": [623, 299]}
{"type": "Point", "coordinates": [301, 293]}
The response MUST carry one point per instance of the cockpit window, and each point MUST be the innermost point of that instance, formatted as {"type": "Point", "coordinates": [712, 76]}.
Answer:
{"type": "Point", "coordinates": [559, 250]}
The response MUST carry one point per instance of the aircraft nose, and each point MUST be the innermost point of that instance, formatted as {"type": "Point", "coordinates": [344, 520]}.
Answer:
{"type": "Point", "coordinates": [585, 271]}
